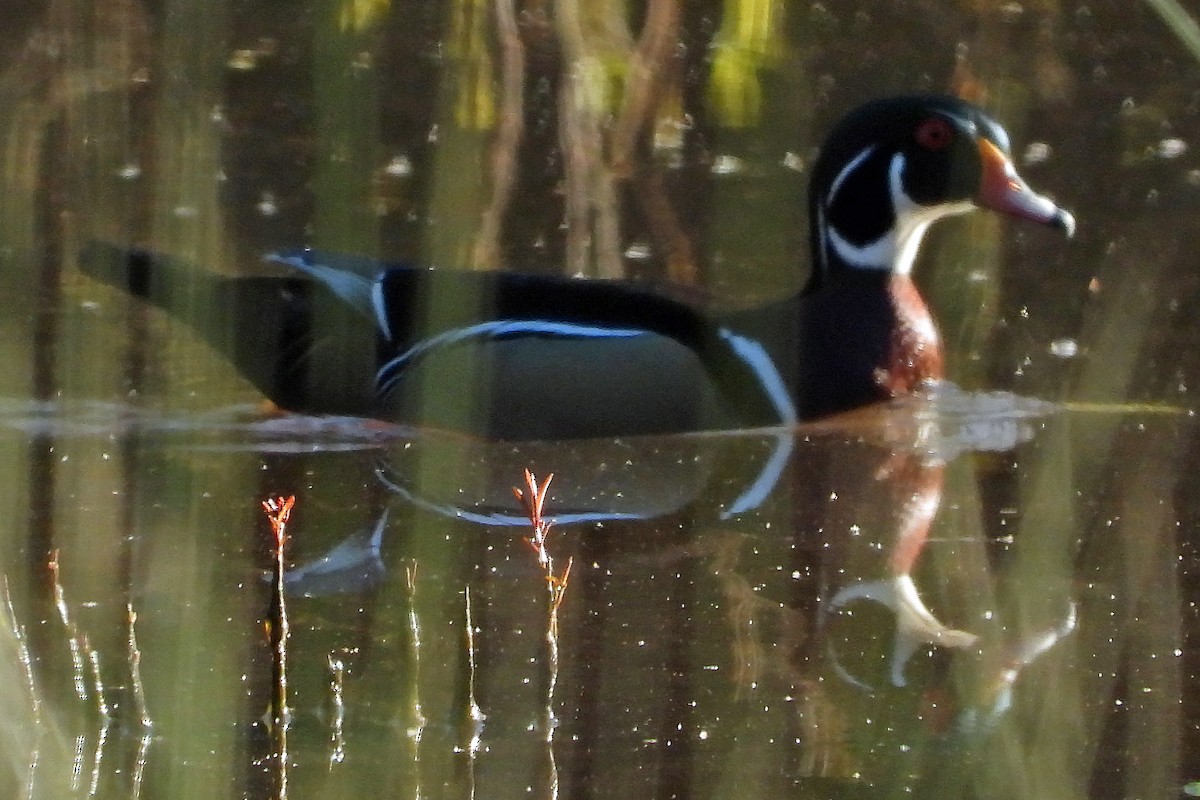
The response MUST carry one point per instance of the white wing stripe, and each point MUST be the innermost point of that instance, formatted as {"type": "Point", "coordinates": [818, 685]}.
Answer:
{"type": "Point", "coordinates": [389, 372]}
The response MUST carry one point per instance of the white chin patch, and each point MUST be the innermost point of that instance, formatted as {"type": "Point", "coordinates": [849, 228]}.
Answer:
{"type": "Point", "coordinates": [896, 250]}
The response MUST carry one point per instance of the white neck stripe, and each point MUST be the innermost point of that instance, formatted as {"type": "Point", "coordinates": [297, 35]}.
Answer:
{"type": "Point", "coordinates": [896, 250]}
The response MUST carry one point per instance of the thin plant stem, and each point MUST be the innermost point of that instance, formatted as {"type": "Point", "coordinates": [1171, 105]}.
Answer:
{"type": "Point", "coordinates": [135, 671]}
{"type": "Point", "coordinates": [475, 712]}
{"type": "Point", "coordinates": [17, 631]}
{"type": "Point", "coordinates": [337, 738]}
{"type": "Point", "coordinates": [139, 701]}
{"type": "Point", "coordinates": [18, 634]}
{"type": "Point", "coordinates": [533, 497]}
{"type": "Point", "coordinates": [64, 614]}
{"type": "Point", "coordinates": [278, 511]}
{"type": "Point", "coordinates": [416, 728]}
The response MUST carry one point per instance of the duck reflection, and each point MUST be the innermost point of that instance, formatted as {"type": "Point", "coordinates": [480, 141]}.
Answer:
{"type": "Point", "coordinates": [860, 494]}
{"type": "Point", "coordinates": [353, 565]}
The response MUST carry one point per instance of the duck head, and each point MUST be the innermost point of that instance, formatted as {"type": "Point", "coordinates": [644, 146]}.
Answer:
{"type": "Point", "coordinates": [894, 166]}
{"type": "Point", "coordinates": [888, 171]}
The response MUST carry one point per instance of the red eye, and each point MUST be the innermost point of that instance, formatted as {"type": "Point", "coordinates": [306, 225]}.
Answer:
{"type": "Point", "coordinates": [934, 134]}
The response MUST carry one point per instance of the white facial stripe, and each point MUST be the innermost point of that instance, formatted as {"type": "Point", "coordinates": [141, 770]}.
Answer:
{"type": "Point", "coordinates": [875, 255]}
{"type": "Point", "coordinates": [912, 218]}
{"type": "Point", "coordinates": [896, 250]}
{"type": "Point", "coordinates": [845, 173]}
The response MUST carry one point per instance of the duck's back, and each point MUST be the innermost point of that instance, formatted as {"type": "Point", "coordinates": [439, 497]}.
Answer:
{"type": "Point", "coordinates": [528, 357]}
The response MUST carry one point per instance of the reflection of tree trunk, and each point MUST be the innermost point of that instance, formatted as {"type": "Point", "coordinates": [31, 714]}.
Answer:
{"type": "Point", "coordinates": [1131, 622]}
{"type": "Point", "coordinates": [1150, 556]}
{"type": "Point", "coordinates": [664, 225]}
{"type": "Point", "coordinates": [768, 641]}
{"type": "Point", "coordinates": [1132, 627]}
{"type": "Point", "coordinates": [593, 231]}
{"type": "Point", "coordinates": [644, 88]}
{"type": "Point", "coordinates": [592, 212]}
{"type": "Point", "coordinates": [488, 253]}
{"type": "Point", "coordinates": [647, 78]}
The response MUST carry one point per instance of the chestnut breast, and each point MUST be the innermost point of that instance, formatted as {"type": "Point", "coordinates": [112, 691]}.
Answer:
{"type": "Point", "coordinates": [864, 339]}
{"type": "Point", "coordinates": [914, 355]}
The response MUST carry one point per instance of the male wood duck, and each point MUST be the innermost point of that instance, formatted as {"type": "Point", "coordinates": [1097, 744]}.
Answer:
{"type": "Point", "coordinates": [533, 357]}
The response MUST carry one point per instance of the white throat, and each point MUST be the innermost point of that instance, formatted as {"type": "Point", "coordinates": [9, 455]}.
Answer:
{"type": "Point", "coordinates": [896, 250]}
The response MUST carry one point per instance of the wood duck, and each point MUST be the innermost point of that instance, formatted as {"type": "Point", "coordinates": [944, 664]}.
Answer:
{"type": "Point", "coordinates": [518, 356]}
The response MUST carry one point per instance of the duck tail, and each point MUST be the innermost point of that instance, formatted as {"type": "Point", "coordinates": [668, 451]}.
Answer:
{"type": "Point", "coordinates": [129, 269]}
{"type": "Point", "coordinates": [262, 324]}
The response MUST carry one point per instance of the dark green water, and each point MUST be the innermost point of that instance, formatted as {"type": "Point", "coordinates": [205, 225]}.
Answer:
{"type": "Point", "coordinates": [724, 632]}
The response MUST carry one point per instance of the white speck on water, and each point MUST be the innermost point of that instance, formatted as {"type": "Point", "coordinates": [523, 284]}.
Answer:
{"type": "Point", "coordinates": [243, 60]}
{"type": "Point", "coordinates": [1171, 148]}
{"type": "Point", "coordinates": [638, 251]}
{"type": "Point", "coordinates": [399, 167]}
{"type": "Point", "coordinates": [726, 165]}
{"type": "Point", "coordinates": [267, 205]}
{"type": "Point", "coordinates": [1064, 348]}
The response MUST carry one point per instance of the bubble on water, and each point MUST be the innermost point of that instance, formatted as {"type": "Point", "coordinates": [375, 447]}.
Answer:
{"type": "Point", "coordinates": [1064, 348]}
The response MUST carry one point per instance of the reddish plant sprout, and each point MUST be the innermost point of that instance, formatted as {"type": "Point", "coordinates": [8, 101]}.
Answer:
{"type": "Point", "coordinates": [533, 498]}
{"type": "Point", "coordinates": [279, 509]}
